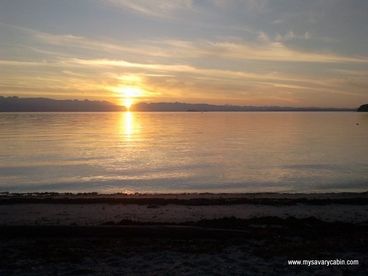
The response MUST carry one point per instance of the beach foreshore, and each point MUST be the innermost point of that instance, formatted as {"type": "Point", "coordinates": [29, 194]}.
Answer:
{"type": "Point", "coordinates": [185, 234]}
{"type": "Point", "coordinates": [97, 209]}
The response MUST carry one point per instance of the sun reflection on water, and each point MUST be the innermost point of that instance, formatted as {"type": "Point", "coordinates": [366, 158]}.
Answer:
{"type": "Point", "coordinates": [129, 125]}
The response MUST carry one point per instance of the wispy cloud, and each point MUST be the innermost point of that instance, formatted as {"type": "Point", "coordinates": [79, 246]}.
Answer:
{"type": "Point", "coordinates": [81, 42]}
{"type": "Point", "coordinates": [156, 8]}
{"type": "Point", "coordinates": [228, 77]}
{"type": "Point", "coordinates": [172, 81]}
{"type": "Point", "coordinates": [264, 49]}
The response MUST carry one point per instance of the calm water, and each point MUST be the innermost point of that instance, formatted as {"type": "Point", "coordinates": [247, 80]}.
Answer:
{"type": "Point", "coordinates": [183, 152]}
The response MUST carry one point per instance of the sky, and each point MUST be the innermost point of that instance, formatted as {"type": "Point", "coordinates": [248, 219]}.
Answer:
{"type": "Point", "coordinates": [249, 52]}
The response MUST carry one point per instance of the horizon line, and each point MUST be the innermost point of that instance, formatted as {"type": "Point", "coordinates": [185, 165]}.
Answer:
{"type": "Point", "coordinates": [187, 103]}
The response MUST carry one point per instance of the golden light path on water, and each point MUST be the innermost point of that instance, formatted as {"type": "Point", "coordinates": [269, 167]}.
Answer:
{"type": "Point", "coordinates": [129, 127]}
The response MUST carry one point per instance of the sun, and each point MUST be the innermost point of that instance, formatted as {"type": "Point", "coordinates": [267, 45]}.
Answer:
{"type": "Point", "coordinates": [128, 102]}
{"type": "Point", "coordinates": [131, 91]}
{"type": "Point", "coordinates": [128, 94]}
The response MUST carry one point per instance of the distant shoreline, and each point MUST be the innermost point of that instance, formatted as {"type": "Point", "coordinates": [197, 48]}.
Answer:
{"type": "Point", "coordinates": [16, 104]}
{"type": "Point", "coordinates": [140, 111]}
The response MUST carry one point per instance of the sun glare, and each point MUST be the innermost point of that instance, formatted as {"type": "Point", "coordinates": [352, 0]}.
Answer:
{"type": "Point", "coordinates": [128, 103]}
{"type": "Point", "coordinates": [128, 94]}
{"type": "Point", "coordinates": [131, 91]}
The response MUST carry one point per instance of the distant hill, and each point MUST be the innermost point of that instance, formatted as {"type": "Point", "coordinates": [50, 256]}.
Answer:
{"type": "Point", "coordinates": [208, 107]}
{"type": "Point", "coordinates": [363, 108]}
{"type": "Point", "coordinates": [15, 104]}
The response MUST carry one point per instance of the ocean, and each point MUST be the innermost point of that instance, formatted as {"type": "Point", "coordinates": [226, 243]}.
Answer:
{"type": "Point", "coordinates": [172, 152]}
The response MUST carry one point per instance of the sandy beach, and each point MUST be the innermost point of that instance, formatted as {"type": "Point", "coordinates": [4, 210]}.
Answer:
{"type": "Point", "coordinates": [186, 234]}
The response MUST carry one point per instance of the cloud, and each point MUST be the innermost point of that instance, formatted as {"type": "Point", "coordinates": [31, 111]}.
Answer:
{"type": "Point", "coordinates": [156, 8]}
{"type": "Point", "coordinates": [290, 35]}
{"type": "Point", "coordinates": [96, 45]}
{"type": "Point", "coordinates": [330, 85]}
{"type": "Point", "coordinates": [246, 5]}
{"type": "Point", "coordinates": [22, 63]}
{"type": "Point", "coordinates": [277, 51]}
{"type": "Point", "coordinates": [97, 77]}
{"type": "Point", "coordinates": [263, 50]}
